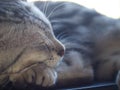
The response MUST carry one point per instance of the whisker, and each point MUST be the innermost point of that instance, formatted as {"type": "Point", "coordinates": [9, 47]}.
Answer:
{"type": "Point", "coordinates": [47, 3]}
{"type": "Point", "coordinates": [52, 11]}
{"type": "Point", "coordinates": [44, 7]}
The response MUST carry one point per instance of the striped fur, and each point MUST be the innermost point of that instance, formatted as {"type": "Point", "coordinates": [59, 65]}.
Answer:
{"type": "Point", "coordinates": [27, 41]}
{"type": "Point", "coordinates": [92, 42]}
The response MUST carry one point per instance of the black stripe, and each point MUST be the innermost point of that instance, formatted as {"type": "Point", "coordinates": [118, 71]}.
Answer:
{"type": "Point", "coordinates": [15, 60]}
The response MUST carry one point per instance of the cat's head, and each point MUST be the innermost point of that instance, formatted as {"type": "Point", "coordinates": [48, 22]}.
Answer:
{"type": "Point", "coordinates": [26, 38]}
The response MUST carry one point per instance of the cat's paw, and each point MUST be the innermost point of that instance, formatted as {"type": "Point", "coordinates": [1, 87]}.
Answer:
{"type": "Point", "coordinates": [42, 76]}
{"type": "Point", "coordinates": [47, 78]}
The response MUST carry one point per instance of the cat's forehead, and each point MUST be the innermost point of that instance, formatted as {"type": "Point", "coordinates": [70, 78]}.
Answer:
{"type": "Point", "coordinates": [21, 22]}
{"type": "Point", "coordinates": [19, 10]}
{"type": "Point", "coordinates": [37, 12]}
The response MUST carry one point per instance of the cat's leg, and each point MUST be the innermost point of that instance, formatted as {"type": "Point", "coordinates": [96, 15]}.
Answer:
{"type": "Point", "coordinates": [74, 69]}
{"type": "Point", "coordinates": [107, 69]}
{"type": "Point", "coordinates": [37, 75]}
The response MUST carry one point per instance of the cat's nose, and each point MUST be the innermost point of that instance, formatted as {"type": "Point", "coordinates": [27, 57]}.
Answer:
{"type": "Point", "coordinates": [61, 52]}
{"type": "Point", "coordinates": [60, 48]}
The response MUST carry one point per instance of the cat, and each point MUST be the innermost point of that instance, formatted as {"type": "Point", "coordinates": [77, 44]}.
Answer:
{"type": "Point", "coordinates": [92, 43]}
{"type": "Point", "coordinates": [27, 41]}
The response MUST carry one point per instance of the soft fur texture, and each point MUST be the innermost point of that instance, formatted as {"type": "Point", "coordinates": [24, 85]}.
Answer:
{"type": "Point", "coordinates": [92, 42]}
{"type": "Point", "coordinates": [29, 51]}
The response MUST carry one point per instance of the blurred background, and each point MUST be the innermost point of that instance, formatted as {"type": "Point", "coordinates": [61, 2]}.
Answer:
{"type": "Point", "coordinates": [110, 8]}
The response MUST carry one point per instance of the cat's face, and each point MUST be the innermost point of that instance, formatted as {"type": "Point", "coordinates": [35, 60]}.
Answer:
{"type": "Point", "coordinates": [26, 40]}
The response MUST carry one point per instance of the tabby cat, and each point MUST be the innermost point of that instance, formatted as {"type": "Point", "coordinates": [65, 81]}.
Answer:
{"type": "Point", "coordinates": [92, 43]}
{"type": "Point", "coordinates": [27, 41]}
